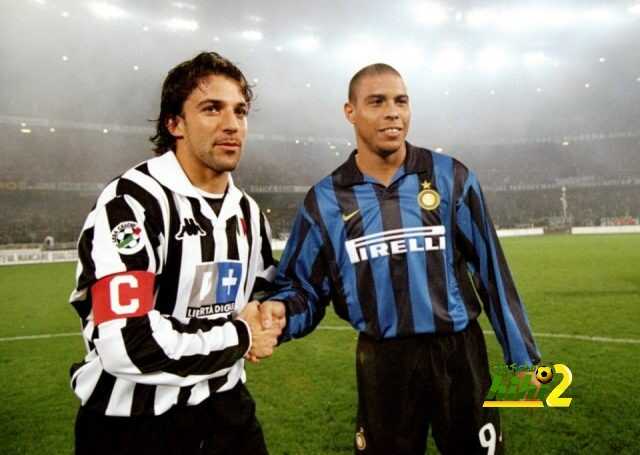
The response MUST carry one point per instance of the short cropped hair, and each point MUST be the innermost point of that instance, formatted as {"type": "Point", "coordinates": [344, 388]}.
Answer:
{"type": "Point", "coordinates": [179, 84]}
{"type": "Point", "coordinates": [370, 70]}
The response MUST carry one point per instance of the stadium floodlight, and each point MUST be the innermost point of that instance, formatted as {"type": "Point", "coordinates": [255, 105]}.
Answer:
{"type": "Point", "coordinates": [449, 59]}
{"type": "Point", "coordinates": [184, 5]}
{"type": "Point", "coordinates": [532, 59]}
{"type": "Point", "coordinates": [482, 17]}
{"type": "Point", "coordinates": [430, 13]}
{"type": "Point", "coordinates": [491, 59]}
{"type": "Point", "coordinates": [635, 9]}
{"type": "Point", "coordinates": [107, 11]}
{"type": "Point", "coordinates": [598, 15]}
{"type": "Point", "coordinates": [252, 35]}
{"type": "Point", "coordinates": [306, 44]}
{"type": "Point", "coordinates": [176, 24]}
{"type": "Point", "coordinates": [406, 56]}
{"type": "Point", "coordinates": [516, 19]}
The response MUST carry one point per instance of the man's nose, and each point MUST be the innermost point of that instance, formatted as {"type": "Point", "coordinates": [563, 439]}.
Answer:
{"type": "Point", "coordinates": [230, 122]}
{"type": "Point", "coordinates": [392, 113]}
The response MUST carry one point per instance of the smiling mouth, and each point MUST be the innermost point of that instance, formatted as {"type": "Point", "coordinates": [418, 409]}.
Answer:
{"type": "Point", "coordinates": [391, 129]}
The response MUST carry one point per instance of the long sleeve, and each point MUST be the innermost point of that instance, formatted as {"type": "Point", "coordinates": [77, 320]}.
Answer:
{"type": "Point", "coordinates": [487, 263]}
{"type": "Point", "coordinates": [119, 259]}
{"type": "Point", "coordinates": [265, 263]}
{"type": "Point", "coordinates": [302, 278]}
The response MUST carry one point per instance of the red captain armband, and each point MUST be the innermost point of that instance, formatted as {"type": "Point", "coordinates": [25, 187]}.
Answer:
{"type": "Point", "coordinates": [123, 295]}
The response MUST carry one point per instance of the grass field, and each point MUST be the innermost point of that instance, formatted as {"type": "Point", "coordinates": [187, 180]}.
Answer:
{"type": "Point", "coordinates": [572, 285]}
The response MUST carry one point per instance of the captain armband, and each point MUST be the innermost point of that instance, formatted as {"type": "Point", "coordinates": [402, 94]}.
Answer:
{"type": "Point", "coordinates": [122, 295]}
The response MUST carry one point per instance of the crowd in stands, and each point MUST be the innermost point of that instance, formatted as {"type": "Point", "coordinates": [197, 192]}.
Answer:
{"type": "Point", "coordinates": [522, 182]}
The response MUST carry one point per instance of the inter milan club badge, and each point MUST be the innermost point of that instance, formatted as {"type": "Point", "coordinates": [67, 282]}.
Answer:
{"type": "Point", "coordinates": [427, 198]}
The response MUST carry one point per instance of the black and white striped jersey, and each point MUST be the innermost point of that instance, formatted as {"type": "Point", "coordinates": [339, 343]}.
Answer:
{"type": "Point", "coordinates": [152, 231]}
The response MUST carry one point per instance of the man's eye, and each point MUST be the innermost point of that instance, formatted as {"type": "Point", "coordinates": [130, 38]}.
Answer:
{"type": "Point", "coordinates": [242, 112]}
{"type": "Point", "coordinates": [210, 109]}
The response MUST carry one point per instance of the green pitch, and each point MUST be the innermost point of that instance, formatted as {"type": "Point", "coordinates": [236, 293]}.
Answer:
{"type": "Point", "coordinates": [580, 285]}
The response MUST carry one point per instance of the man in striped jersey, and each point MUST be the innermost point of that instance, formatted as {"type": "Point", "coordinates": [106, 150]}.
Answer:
{"type": "Point", "coordinates": [400, 240]}
{"type": "Point", "coordinates": [168, 259]}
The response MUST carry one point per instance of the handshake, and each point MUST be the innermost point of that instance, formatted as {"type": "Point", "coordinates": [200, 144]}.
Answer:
{"type": "Point", "coordinates": [266, 321]}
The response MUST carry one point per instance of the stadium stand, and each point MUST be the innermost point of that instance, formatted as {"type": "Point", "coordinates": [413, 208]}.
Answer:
{"type": "Point", "coordinates": [50, 180]}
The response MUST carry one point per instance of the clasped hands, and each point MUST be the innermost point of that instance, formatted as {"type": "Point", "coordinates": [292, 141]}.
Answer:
{"type": "Point", "coordinates": [266, 321]}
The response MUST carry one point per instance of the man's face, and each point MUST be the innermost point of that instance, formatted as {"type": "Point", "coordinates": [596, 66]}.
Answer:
{"type": "Point", "coordinates": [213, 125]}
{"type": "Point", "coordinates": [380, 112]}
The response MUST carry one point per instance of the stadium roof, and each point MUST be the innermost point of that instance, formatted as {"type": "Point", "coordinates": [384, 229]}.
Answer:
{"type": "Point", "coordinates": [476, 70]}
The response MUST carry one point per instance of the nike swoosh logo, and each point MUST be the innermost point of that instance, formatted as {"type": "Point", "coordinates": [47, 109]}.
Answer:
{"type": "Point", "coordinates": [349, 216]}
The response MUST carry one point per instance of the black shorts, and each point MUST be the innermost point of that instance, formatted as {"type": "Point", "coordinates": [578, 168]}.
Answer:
{"type": "Point", "coordinates": [224, 424]}
{"type": "Point", "coordinates": [407, 384]}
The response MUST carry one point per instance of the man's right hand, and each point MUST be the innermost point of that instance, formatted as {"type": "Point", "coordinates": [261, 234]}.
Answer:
{"type": "Point", "coordinates": [263, 340]}
{"type": "Point", "coordinates": [273, 314]}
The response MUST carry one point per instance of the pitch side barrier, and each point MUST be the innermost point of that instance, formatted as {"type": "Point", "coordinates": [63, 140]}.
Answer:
{"type": "Point", "coordinates": [606, 230]}
{"type": "Point", "coordinates": [36, 256]}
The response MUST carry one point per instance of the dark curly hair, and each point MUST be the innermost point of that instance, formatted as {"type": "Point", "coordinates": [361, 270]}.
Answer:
{"type": "Point", "coordinates": [179, 84]}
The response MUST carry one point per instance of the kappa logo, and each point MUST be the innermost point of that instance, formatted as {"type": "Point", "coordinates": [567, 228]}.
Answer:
{"type": "Point", "coordinates": [189, 227]}
{"type": "Point", "coordinates": [396, 241]}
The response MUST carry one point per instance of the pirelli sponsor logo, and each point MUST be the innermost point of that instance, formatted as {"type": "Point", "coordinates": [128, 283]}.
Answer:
{"type": "Point", "coordinates": [397, 241]}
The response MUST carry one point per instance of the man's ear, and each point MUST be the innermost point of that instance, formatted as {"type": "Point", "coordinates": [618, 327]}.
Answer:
{"type": "Point", "coordinates": [349, 112]}
{"type": "Point", "coordinates": [175, 125]}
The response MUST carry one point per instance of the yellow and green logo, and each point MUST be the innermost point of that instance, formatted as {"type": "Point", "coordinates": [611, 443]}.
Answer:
{"type": "Point", "coordinates": [529, 387]}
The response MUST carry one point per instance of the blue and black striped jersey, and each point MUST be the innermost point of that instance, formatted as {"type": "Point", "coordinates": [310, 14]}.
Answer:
{"type": "Point", "coordinates": [418, 256]}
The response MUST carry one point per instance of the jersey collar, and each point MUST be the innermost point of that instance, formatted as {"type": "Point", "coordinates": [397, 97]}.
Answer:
{"type": "Point", "coordinates": [417, 160]}
{"type": "Point", "coordinates": [167, 170]}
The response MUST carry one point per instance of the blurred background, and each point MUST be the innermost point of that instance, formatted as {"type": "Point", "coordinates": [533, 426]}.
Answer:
{"type": "Point", "coordinates": [541, 99]}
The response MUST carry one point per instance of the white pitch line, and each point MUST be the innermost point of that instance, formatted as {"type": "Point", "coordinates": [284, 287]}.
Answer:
{"type": "Point", "coordinates": [583, 338]}
{"type": "Point", "coordinates": [39, 337]}
{"type": "Point", "coordinates": [338, 328]}
{"type": "Point", "coordinates": [536, 334]}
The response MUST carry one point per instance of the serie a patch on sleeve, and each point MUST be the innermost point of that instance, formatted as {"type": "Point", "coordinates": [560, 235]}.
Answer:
{"type": "Point", "coordinates": [128, 237]}
{"type": "Point", "coordinates": [122, 295]}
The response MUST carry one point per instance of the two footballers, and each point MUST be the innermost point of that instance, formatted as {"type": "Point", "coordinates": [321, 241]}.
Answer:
{"type": "Point", "coordinates": [173, 251]}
